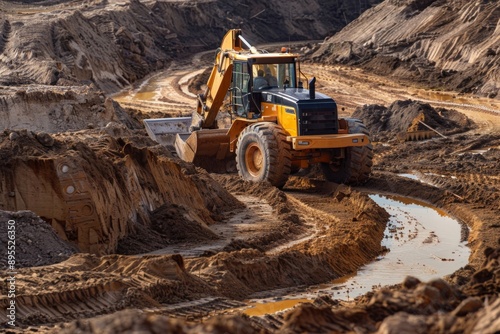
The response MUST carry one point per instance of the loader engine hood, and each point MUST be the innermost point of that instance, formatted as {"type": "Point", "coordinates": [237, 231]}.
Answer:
{"type": "Point", "coordinates": [317, 116]}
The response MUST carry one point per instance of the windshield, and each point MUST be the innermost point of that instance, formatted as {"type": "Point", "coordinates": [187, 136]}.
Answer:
{"type": "Point", "coordinates": [273, 75]}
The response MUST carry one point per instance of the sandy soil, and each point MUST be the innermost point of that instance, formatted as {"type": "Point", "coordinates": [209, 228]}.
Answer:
{"type": "Point", "coordinates": [135, 239]}
{"type": "Point", "coordinates": [238, 255]}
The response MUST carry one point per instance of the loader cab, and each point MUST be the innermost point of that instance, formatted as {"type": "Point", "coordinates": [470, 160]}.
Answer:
{"type": "Point", "coordinates": [253, 76]}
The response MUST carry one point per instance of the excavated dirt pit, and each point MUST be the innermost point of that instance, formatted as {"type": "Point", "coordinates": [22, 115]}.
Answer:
{"type": "Point", "coordinates": [277, 253]}
{"type": "Point", "coordinates": [176, 249]}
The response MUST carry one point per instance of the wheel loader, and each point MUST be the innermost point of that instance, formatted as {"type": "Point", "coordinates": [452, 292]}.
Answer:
{"type": "Point", "coordinates": [278, 126]}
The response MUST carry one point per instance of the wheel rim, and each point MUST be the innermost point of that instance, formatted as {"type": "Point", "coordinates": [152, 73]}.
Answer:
{"type": "Point", "coordinates": [254, 159]}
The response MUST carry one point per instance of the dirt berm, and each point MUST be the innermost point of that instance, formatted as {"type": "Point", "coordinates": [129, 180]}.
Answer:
{"type": "Point", "coordinates": [412, 307]}
{"type": "Point", "coordinates": [88, 285]}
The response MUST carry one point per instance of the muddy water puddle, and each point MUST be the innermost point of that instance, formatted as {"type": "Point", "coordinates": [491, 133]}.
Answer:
{"type": "Point", "coordinates": [423, 177]}
{"type": "Point", "coordinates": [149, 90]}
{"type": "Point", "coordinates": [259, 309]}
{"type": "Point", "coordinates": [423, 241]}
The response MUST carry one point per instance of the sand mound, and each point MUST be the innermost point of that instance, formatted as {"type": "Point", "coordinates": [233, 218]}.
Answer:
{"type": "Point", "coordinates": [177, 224]}
{"type": "Point", "coordinates": [36, 242]}
{"type": "Point", "coordinates": [407, 116]}
{"type": "Point", "coordinates": [275, 197]}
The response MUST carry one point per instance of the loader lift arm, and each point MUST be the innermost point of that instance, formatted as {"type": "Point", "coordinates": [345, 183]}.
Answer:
{"type": "Point", "coordinates": [210, 102]}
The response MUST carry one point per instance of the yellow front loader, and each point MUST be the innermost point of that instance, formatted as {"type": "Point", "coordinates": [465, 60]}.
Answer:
{"type": "Point", "coordinates": [278, 126]}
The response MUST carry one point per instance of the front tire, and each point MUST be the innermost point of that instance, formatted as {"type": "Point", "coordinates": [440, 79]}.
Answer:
{"type": "Point", "coordinates": [263, 154]}
{"type": "Point", "coordinates": [356, 167]}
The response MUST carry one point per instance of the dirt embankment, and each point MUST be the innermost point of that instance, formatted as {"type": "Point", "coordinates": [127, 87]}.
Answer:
{"type": "Point", "coordinates": [441, 44]}
{"type": "Point", "coordinates": [168, 284]}
{"type": "Point", "coordinates": [78, 44]}
{"type": "Point", "coordinates": [98, 186]}
{"type": "Point", "coordinates": [56, 109]}
{"type": "Point", "coordinates": [86, 284]}
{"type": "Point", "coordinates": [113, 43]}
{"type": "Point", "coordinates": [345, 243]}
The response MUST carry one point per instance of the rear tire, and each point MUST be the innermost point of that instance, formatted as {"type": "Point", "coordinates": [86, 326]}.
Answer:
{"type": "Point", "coordinates": [356, 167]}
{"type": "Point", "coordinates": [263, 154]}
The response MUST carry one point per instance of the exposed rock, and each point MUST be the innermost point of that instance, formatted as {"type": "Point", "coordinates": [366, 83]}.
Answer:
{"type": "Point", "coordinates": [45, 139]}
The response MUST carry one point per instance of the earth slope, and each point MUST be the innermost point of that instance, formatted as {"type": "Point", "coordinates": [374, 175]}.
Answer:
{"type": "Point", "coordinates": [113, 43]}
{"type": "Point", "coordinates": [445, 44]}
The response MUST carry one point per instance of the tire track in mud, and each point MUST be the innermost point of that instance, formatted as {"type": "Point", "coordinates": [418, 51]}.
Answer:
{"type": "Point", "coordinates": [87, 286]}
{"type": "Point", "coordinates": [67, 305]}
{"type": "Point", "coordinates": [251, 221]}
{"type": "Point", "coordinates": [307, 205]}
{"type": "Point", "coordinates": [148, 280]}
{"type": "Point", "coordinates": [165, 91]}
{"type": "Point", "coordinates": [466, 187]}
{"type": "Point", "coordinates": [199, 308]}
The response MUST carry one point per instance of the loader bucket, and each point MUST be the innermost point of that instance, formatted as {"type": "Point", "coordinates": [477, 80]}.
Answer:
{"type": "Point", "coordinates": [208, 149]}
{"type": "Point", "coordinates": [164, 130]}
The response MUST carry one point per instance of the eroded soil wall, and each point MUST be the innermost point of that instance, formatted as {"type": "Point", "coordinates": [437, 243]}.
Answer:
{"type": "Point", "coordinates": [441, 44]}
{"type": "Point", "coordinates": [96, 193]}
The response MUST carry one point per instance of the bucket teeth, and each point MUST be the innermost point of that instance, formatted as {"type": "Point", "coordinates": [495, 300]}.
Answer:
{"type": "Point", "coordinates": [419, 135]}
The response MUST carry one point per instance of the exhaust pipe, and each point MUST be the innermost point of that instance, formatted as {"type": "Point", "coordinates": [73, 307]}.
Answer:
{"type": "Point", "coordinates": [312, 88]}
